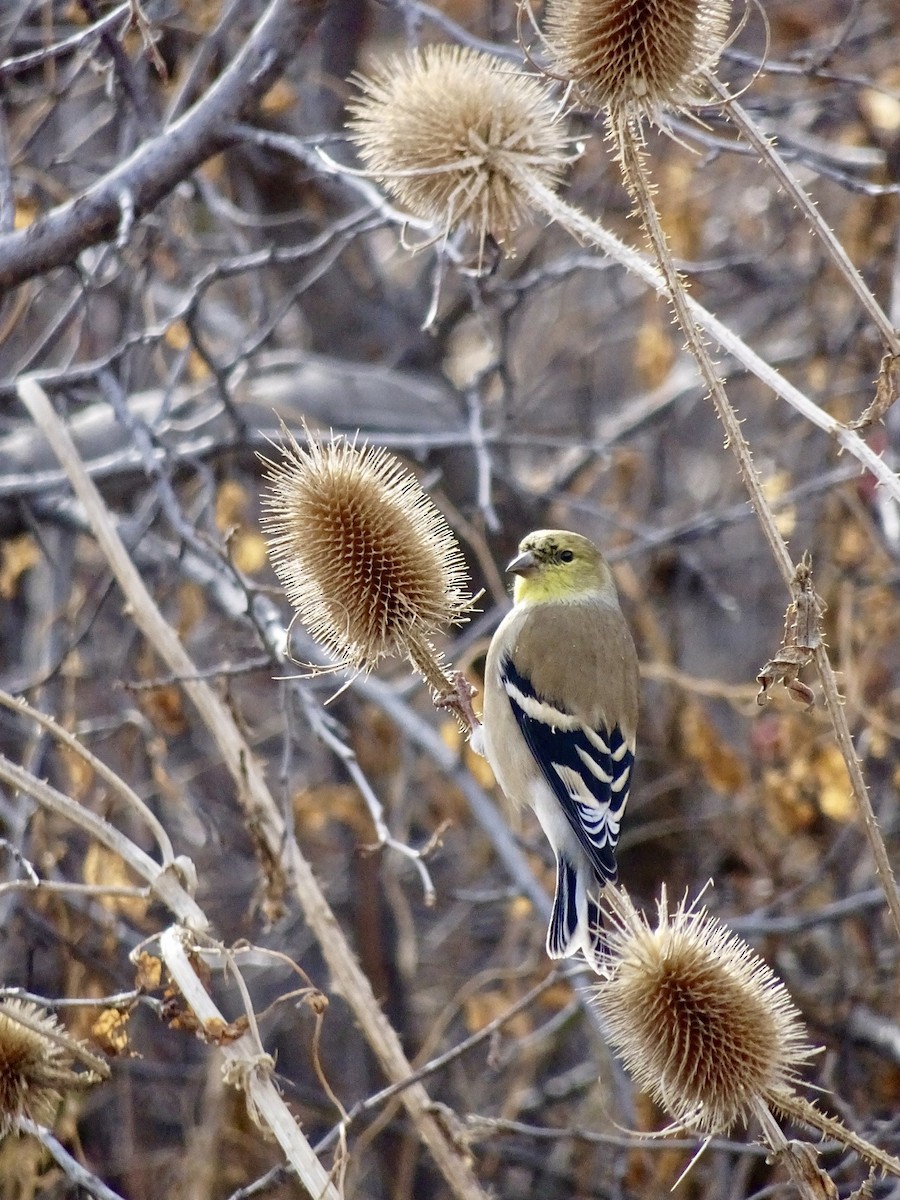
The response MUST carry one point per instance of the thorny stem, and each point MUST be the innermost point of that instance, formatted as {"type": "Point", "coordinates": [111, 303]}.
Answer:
{"type": "Point", "coordinates": [808, 1178]}
{"type": "Point", "coordinates": [800, 1110]}
{"type": "Point", "coordinates": [765, 147]}
{"type": "Point", "coordinates": [690, 316]}
{"type": "Point", "coordinates": [592, 232]}
{"type": "Point", "coordinates": [636, 179]}
{"type": "Point", "coordinates": [450, 690]}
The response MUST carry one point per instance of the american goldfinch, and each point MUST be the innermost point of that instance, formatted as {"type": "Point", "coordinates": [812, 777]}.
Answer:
{"type": "Point", "coordinates": [560, 716]}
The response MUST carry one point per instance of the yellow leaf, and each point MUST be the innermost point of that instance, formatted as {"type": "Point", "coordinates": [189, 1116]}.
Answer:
{"type": "Point", "coordinates": [481, 1009]}
{"type": "Point", "coordinates": [654, 352]}
{"type": "Point", "coordinates": [102, 868]}
{"type": "Point", "coordinates": [774, 487]}
{"type": "Point", "coordinates": [231, 504]}
{"type": "Point", "coordinates": [79, 774]}
{"type": "Point", "coordinates": [111, 1030]}
{"type": "Point", "coordinates": [280, 97]}
{"type": "Point", "coordinates": [452, 736]}
{"type": "Point", "coordinates": [520, 908]}
{"type": "Point", "coordinates": [834, 790]}
{"type": "Point", "coordinates": [177, 336]}
{"type": "Point", "coordinates": [249, 552]}
{"type": "Point", "coordinates": [722, 767]}
{"type": "Point", "coordinates": [26, 213]}
{"type": "Point", "coordinates": [17, 555]}
{"type": "Point", "coordinates": [148, 976]}
{"type": "Point", "coordinates": [882, 111]}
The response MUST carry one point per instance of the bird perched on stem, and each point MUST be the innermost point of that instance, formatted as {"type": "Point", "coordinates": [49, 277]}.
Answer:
{"type": "Point", "coordinates": [560, 716]}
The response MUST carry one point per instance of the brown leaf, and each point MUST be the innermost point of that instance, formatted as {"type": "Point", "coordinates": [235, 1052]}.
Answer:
{"type": "Point", "coordinates": [17, 555]}
{"type": "Point", "coordinates": [887, 387]}
{"type": "Point", "coordinates": [110, 1030]}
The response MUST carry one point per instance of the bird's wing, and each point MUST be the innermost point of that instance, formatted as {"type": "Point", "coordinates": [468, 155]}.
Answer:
{"type": "Point", "coordinates": [588, 769]}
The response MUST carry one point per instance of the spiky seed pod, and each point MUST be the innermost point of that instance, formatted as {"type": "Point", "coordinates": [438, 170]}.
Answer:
{"type": "Point", "coordinates": [636, 57]}
{"type": "Point", "coordinates": [35, 1068]}
{"type": "Point", "coordinates": [453, 135]}
{"type": "Point", "coordinates": [702, 1023]}
{"type": "Point", "coordinates": [369, 563]}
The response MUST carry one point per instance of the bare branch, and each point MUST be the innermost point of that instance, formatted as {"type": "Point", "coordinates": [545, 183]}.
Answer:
{"type": "Point", "coordinates": [157, 166]}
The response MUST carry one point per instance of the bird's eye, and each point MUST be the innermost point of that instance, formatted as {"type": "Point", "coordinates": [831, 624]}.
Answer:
{"type": "Point", "coordinates": [566, 556]}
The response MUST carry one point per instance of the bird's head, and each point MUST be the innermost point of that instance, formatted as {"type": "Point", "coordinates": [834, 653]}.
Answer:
{"type": "Point", "coordinates": [553, 564]}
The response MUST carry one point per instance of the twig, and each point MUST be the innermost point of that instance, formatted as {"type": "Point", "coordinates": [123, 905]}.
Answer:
{"type": "Point", "coordinates": [324, 730]}
{"type": "Point", "coordinates": [765, 147]}
{"type": "Point", "coordinates": [259, 805]}
{"type": "Point", "coordinates": [80, 1176]}
{"type": "Point", "coordinates": [118, 785]}
{"type": "Point", "coordinates": [163, 880]}
{"type": "Point", "coordinates": [248, 1067]}
{"type": "Point", "coordinates": [690, 314]}
{"type": "Point", "coordinates": [442, 1060]}
{"type": "Point", "coordinates": [27, 62]}
{"type": "Point", "coordinates": [591, 231]}
{"type": "Point", "coordinates": [161, 163]}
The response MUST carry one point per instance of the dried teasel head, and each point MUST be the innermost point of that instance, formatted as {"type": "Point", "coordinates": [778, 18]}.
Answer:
{"type": "Point", "coordinates": [365, 558]}
{"type": "Point", "coordinates": [702, 1023]}
{"type": "Point", "coordinates": [636, 58]}
{"type": "Point", "coordinates": [455, 136]}
{"type": "Point", "coordinates": [35, 1064]}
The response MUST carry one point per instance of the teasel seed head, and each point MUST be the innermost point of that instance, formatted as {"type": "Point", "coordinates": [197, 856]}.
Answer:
{"type": "Point", "coordinates": [702, 1023]}
{"type": "Point", "coordinates": [636, 58]}
{"type": "Point", "coordinates": [364, 556]}
{"type": "Point", "coordinates": [454, 136]}
{"type": "Point", "coordinates": [35, 1065]}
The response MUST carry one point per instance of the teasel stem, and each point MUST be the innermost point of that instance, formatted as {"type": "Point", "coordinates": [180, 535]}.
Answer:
{"type": "Point", "coordinates": [765, 148]}
{"type": "Point", "coordinates": [691, 316]}
{"type": "Point", "coordinates": [637, 180]}
{"type": "Point", "coordinates": [803, 1112]}
{"type": "Point", "coordinates": [590, 231]}
{"type": "Point", "coordinates": [797, 1158]}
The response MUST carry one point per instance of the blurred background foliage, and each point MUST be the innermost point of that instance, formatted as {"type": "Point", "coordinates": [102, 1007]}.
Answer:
{"type": "Point", "coordinates": [551, 390]}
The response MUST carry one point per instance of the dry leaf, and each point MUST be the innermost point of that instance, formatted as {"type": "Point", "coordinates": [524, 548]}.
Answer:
{"type": "Point", "coordinates": [249, 551]}
{"type": "Point", "coordinates": [887, 386]}
{"type": "Point", "coordinates": [802, 637]}
{"type": "Point", "coordinates": [452, 736]}
{"type": "Point", "coordinates": [148, 972]}
{"type": "Point", "coordinates": [231, 505]}
{"type": "Point", "coordinates": [481, 1009]}
{"type": "Point", "coordinates": [654, 352]}
{"type": "Point", "coordinates": [17, 555]}
{"type": "Point", "coordinates": [104, 868]}
{"type": "Point", "coordinates": [723, 769]}
{"type": "Point", "coordinates": [774, 487]}
{"type": "Point", "coordinates": [834, 790]}
{"type": "Point", "coordinates": [110, 1031]}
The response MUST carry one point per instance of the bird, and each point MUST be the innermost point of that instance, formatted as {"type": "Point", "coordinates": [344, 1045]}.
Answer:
{"type": "Point", "coordinates": [559, 721]}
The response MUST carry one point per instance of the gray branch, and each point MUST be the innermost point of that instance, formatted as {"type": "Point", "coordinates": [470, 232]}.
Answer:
{"type": "Point", "coordinates": [160, 164]}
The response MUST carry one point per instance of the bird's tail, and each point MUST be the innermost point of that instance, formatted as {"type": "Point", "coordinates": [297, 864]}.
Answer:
{"type": "Point", "coordinates": [576, 922]}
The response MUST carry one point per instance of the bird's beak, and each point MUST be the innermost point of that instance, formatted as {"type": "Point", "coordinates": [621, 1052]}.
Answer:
{"type": "Point", "coordinates": [522, 563]}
